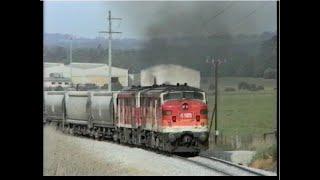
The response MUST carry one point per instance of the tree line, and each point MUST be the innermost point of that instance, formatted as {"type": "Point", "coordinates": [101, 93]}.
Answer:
{"type": "Point", "coordinates": [249, 56]}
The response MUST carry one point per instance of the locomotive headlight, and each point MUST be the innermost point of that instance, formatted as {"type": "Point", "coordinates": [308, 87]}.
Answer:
{"type": "Point", "coordinates": [203, 137]}
{"type": "Point", "coordinates": [172, 137]}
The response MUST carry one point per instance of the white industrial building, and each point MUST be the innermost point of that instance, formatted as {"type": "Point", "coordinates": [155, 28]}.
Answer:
{"type": "Point", "coordinates": [83, 73]}
{"type": "Point", "coordinates": [170, 74]}
{"type": "Point", "coordinates": [47, 64]}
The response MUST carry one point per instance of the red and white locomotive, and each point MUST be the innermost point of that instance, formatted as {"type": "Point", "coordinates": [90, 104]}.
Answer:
{"type": "Point", "coordinates": [166, 117]}
{"type": "Point", "coordinates": [163, 117]}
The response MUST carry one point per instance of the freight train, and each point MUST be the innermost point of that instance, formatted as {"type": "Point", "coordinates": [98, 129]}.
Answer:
{"type": "Point", "coordinates": [170, 118]}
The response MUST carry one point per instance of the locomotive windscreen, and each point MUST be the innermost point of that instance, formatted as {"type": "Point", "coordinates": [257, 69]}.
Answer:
{"type": "Point", "coordinates": [183, 95]}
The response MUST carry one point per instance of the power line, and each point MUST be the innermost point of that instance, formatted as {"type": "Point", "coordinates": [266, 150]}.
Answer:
{"type": "Point", "coordinates": [248, 15]}
{"type": "Point", "coordinates": [215, 16]}
{"type": "Point", "coordinates": [241, 20]}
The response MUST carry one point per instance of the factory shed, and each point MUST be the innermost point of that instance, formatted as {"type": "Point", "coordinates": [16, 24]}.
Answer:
{"type": "Point", "coordinates": [84, 73]}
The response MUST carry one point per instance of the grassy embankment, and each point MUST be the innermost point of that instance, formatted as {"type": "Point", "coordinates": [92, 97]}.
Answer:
{"type": "Point", "coordinates": [243, 114]}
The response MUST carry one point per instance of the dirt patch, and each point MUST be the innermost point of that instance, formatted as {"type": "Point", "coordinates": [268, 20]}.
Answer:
{"type": "Point", "coordinates": [69, 156]}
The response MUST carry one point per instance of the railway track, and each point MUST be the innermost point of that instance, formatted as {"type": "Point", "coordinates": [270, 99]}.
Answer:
{"type": "Point", "coordinates": [244, 168]}
{"type": "Point", "coordinates": [203, 165]}
{"type": "Point", "coordinates": [224, 167]}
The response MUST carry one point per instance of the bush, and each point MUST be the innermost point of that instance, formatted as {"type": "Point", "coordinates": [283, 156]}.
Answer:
{"type": "Point", "coordinates": [105, 86]}
{"type": "Point", "coordinates": [229, 89]}
{"type": "Point", "coordinates": [59, 88]}
{"type": "Point", "coordinates": [265, 152]}
{"type": "Point", "coordinates": [252, 87]}
{"type": "Point", "coordinates": [260, 87]}
{"type": "Point", "coordinates": [265, 157]}
{"type": "Point", "coordinates": [243, 85]}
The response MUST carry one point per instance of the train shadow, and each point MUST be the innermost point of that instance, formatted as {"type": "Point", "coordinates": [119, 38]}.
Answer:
{"type": "Point", "coordinates": [186, 154]}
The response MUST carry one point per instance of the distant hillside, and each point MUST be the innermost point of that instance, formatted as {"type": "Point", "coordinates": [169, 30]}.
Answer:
{"type": "Point", "coordinates": [246, 55]}
{"type": "Point", "coordinates": [56, 39]}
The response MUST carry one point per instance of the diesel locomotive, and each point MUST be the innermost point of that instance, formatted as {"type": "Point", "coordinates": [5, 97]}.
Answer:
{"type": "Point", "coordinates": [170, 118]}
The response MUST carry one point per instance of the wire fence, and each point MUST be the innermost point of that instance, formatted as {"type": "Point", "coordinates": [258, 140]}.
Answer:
{"type": "Point", "coordinates": [246, 120]}
{"type": "Point", "coordinates": [241, 142]}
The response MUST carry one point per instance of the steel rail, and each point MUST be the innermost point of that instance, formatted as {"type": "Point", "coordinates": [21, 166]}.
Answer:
{"type": "Point", "coordinates": [233, 164]}
{"type": "Point", "coordinates": [202, 165]}
{"type": "Point", "coordinates": [185, 159]}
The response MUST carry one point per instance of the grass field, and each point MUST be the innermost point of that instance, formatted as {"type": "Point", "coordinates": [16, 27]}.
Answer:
{"type": "Point", "coordinates": [268, 84]}
{"type": "Point", "coordinates": [245, 112]}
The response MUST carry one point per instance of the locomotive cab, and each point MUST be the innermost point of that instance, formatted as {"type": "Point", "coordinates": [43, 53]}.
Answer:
{"type": "Point", "coordinates": [184, 108]}
{"type": "Point", "coordinates": [185, 119]}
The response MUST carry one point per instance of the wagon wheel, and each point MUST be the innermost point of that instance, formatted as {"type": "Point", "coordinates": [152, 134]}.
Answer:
{"type": "Point", "coordinates": [71, 130]}
{"type": "Point", "coordinates": [153, 141]}
{"type": "Point", "coordinates": [157, 143]}
{"type": "Point", "coordinates": [116, 137]}
{"type": "Point", "coordinates": [96, 135]}
{"type": "Point", "coordinates": [65, 130]}
{"type": "Point", "coordinates": [133, 138]}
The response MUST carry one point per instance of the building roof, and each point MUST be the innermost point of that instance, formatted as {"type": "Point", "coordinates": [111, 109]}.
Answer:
{"type": "Point", "coordinates": [57, 79]}
{"type": "Point", "coordinates": [162, 67]}
{"type": "Point", "coordinates": [49, 64]}
{"type": "Point", "coordinates": [103, 71]}
{"type": "Point", "coordinates": [84, 69]}
{"type": "Point", "coordinates": [85, 65]}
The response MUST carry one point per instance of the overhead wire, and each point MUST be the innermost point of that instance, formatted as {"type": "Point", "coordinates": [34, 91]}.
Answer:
{"type": "Point", "coordinates": [241, 20]}
{"type": "Point", "coordinates": [221, 11]}
{"type": "Point", "coordinates": [247, 16]}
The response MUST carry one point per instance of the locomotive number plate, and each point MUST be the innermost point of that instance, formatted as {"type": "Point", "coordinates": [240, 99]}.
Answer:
{"type": "Point", "coordinates": [186, 115]}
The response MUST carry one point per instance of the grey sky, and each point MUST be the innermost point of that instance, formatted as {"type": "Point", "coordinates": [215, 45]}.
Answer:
{"type": "Point", "coordinates": [146, 19]}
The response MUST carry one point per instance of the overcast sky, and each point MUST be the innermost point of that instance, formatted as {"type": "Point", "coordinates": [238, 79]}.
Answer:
{"type": "Point", "coordinates": [145, 19]}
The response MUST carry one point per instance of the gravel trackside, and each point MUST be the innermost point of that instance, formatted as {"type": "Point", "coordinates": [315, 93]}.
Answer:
{"type": "Point", "coordinates": [66, 155]}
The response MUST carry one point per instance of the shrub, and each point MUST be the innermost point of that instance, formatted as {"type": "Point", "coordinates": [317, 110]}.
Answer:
{"type": "Point", "coordinates": [229, 89]}
{"type": "Point", "coordinates": [105, 86]}
{"type": "Point", "coordinates": [59, 88]}
{"type": "Point", "coordinates": [249, 87]}
{"type": "Point", "coordinates": [265, 152]}
{"type": "Point", "coordinates": [243, 85]}
{"type": "Point", "coordinates": [252, 87]}
{"type": "Point", "coordinates": [260, 87]}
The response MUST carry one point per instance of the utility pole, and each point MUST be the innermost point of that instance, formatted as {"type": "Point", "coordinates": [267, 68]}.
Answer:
{"type": "Point", "coordinates": [70, 57]}
{"type": "Point", "coordinates": [109, 49]}
{"type": "Point", "coordinates": [215, 64]}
